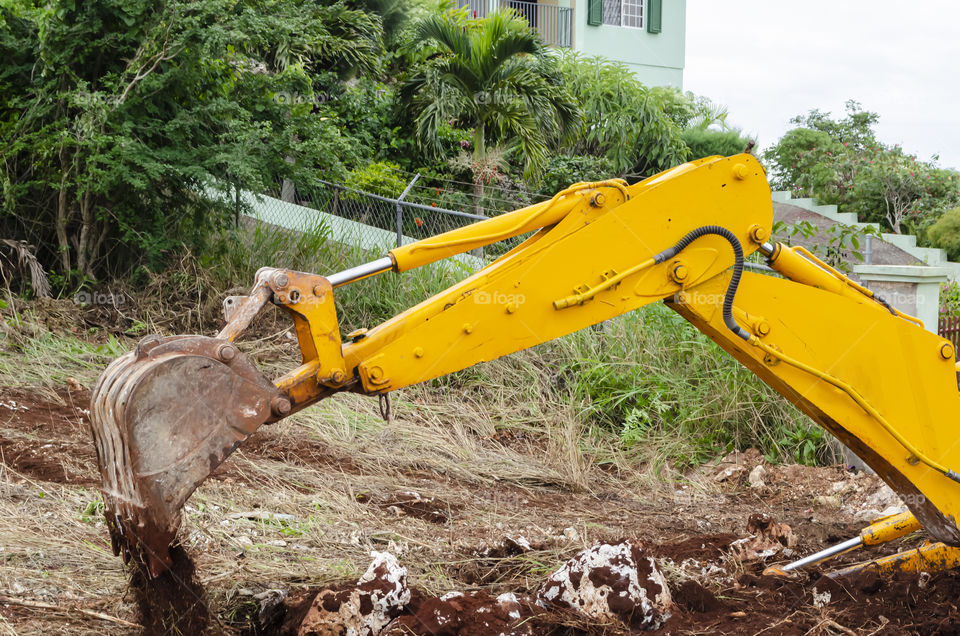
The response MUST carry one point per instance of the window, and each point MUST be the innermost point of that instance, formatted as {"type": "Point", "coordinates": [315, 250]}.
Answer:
{"type": "Point", "coordinates": [633, 13]}
{"type": "Point", "coordinates": [628, 13]}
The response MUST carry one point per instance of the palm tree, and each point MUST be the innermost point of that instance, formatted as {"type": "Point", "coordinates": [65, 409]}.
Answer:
{"type": "Point", "coordinates": [495, 76]}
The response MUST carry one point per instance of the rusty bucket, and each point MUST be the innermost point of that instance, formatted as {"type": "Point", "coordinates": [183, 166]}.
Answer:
{"type": "Point", "coordinates": [164, 416]}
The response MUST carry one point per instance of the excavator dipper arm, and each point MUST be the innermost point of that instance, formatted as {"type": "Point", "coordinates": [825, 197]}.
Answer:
{"type": "Point", "coordinates": [873, 377]}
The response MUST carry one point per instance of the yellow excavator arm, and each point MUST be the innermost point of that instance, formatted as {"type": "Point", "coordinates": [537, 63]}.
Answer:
{"type": "Point", "coordinates": [166, 414]}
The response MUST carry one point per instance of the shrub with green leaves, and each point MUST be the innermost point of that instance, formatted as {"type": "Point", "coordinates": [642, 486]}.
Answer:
{"type": "Point", "coordinates": [116, 117]}
{"type": "Point", "coordinates": [945, 233]}
{"type": "Point", "coordinates": [620, 118]}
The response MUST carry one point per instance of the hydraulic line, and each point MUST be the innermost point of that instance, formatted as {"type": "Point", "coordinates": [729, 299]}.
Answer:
{"type": "Point", "coordinates": [728, 298]}
{"type": "Point", "coordinates": [861, 401]}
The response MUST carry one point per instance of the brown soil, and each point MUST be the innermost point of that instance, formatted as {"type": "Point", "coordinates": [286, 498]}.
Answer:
{"type": "Point", "coordinates": [172, 603]}
{"type": "Point", "coordinates": [47, 436]}
{"type": "Point", "coordinates": [48, 441]}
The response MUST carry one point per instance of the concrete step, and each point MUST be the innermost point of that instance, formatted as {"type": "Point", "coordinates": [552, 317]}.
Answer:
{"type": "Point", "coordinates": [929, 255]}
{"type": "Point", "coordinates": [780, 196]}
{"type": "Point", "coordinates": [903, 241]}
{"type": "Point", "coordinates": [850, 218]}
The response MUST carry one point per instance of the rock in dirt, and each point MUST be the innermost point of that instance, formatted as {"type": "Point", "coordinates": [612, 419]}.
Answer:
{"type": "Point", "coordinates": [733, 467]}
{"type": "Point", "coordinates": [380, 595]}
{"type": "Point", "coordinates": [882, 503]}
{"type": "Point", "coordinates": [464, 614]}
{"type": "Point", "coordinates": [768, 538]}
{"type": "Point", "coordinates": [611, 582]}
{"type": "Point", "coordinates": [756, 477]}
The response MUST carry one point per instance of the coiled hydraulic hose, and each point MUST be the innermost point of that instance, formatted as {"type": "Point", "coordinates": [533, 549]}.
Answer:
{"type": "Point", "coordinates": [723, 232]}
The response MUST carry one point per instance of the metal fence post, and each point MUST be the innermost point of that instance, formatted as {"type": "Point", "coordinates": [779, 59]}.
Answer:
{"type": "Point", "coordinates": [400, 209]}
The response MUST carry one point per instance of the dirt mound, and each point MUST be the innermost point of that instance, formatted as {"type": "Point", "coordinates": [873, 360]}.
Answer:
{"type": "Point", "coordinates": [46, 436]}
{"type": "Point", "coordinates": [699, 548]}
{"type": "Point", "coordinates": [470, 613]}
{"type": "Point", "coordinates": [693, 597]}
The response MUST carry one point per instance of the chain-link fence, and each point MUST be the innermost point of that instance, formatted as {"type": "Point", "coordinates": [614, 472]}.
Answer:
{"type": "Point", "coordinates": [351, 226]}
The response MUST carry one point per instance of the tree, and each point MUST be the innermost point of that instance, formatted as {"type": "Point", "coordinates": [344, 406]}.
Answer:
{"type": "Point", "coordinates": [620, 118]}
{"type": "Point", "coordinates": [706, 142]}
{"type": "Point", "coordinates": [493, 76]}
{"type": "Point", "coordinates": [118, 118]}
{"type": "Point", "coordinates": [841, 162]}
{"type": "Point", "coordinates": [945, 233]}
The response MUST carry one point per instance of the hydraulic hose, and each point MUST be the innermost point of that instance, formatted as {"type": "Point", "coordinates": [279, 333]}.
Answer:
{"type": "Point", "coordinates": [728, 298]}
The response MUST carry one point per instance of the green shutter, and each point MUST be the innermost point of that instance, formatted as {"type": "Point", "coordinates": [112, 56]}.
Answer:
{"type": "Point", "coordinates": [654, 15]}
{"type": "Point", "coordinates": [595, 12]}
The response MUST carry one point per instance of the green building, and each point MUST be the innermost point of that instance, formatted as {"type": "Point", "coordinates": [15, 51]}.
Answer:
{"type": "Point", "coordinates": [647, 35]}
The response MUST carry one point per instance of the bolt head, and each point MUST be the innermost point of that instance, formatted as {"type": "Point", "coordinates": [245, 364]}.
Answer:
{"type": "Point", "coordinates": [280, 405]}
{"type": "Point", "coordinates": [280, 280]}
{"type": "Point", "coordinates": [740, 172]}
{"type": "Point", "coordinates": [418, 352]}
{"type": "Point", "coordinates": [946, 351]}
{"type": "Point", "coordinates": [759, 234]}
{"type": "Point", "coordinates": [597, 200]}
{"type": "Point", "coordinates": [226, 353]}
{"type": "Point", "coordinates": [680, 273]}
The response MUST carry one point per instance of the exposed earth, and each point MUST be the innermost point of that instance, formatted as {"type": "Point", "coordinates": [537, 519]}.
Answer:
{"type": "Point", "coordinates": [435, 523]}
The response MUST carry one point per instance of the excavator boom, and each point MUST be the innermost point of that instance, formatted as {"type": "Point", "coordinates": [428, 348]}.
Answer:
{"type": "Point", "coordinates": [166, 414]}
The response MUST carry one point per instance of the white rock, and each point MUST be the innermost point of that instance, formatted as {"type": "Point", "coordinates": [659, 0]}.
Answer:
{"type": "Point", "coordinates": [611, 581]}
{"type": "Point", "coordinates": [379, 596]}
{"type": "Point", "coordinates": [756, 477]}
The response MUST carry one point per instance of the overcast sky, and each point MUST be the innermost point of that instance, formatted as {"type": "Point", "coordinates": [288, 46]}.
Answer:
{"type": "Point", "coordinates": [769, 60]}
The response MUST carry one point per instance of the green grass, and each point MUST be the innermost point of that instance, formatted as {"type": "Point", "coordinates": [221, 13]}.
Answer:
{"type": "Point", "coordinates": [648, 378]}
{"type": "Point", "coordinates": [49, 359]}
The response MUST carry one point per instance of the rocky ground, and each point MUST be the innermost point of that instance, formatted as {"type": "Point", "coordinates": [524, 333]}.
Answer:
{"type": "Point", "coordinates": [443, 520]}
{"type": "Point", "coordinates": [308, 528]}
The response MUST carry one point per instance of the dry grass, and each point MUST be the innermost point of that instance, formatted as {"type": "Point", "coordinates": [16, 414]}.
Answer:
{"type": "Point", "coordinates": [56, 549]}
{"type": "Point", "coordinates": [493, 448]}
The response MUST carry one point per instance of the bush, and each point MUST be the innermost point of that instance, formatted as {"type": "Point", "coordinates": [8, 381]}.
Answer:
{"type": "Point", "coordinates": [564, 170]}
{"type": "Point", "coordinates": [670, 391]}
{"type": "Point", "coordinates": [704, 142]}
{"type": "Point", "coordinates": [945, 233]}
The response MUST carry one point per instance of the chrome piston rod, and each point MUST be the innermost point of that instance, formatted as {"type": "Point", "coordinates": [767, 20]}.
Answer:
{"type": "Point", "coordinates": [361, 271]}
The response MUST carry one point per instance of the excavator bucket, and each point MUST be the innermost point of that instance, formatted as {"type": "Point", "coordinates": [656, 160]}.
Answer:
{"type": "Point", "coordinates": [164, 416]}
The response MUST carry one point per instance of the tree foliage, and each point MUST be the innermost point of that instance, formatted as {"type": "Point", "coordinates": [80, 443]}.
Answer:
{"type": "Point", "coordinates": [841, 162]}
{"type": "Point", "coordinates": [116, 117]}
{"type": "Point", "coordinates": [945, 233]}
{"type": "Point", "coordinates": [494, 76]}
{"type": "Point", "coordinates": [620, 118]}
